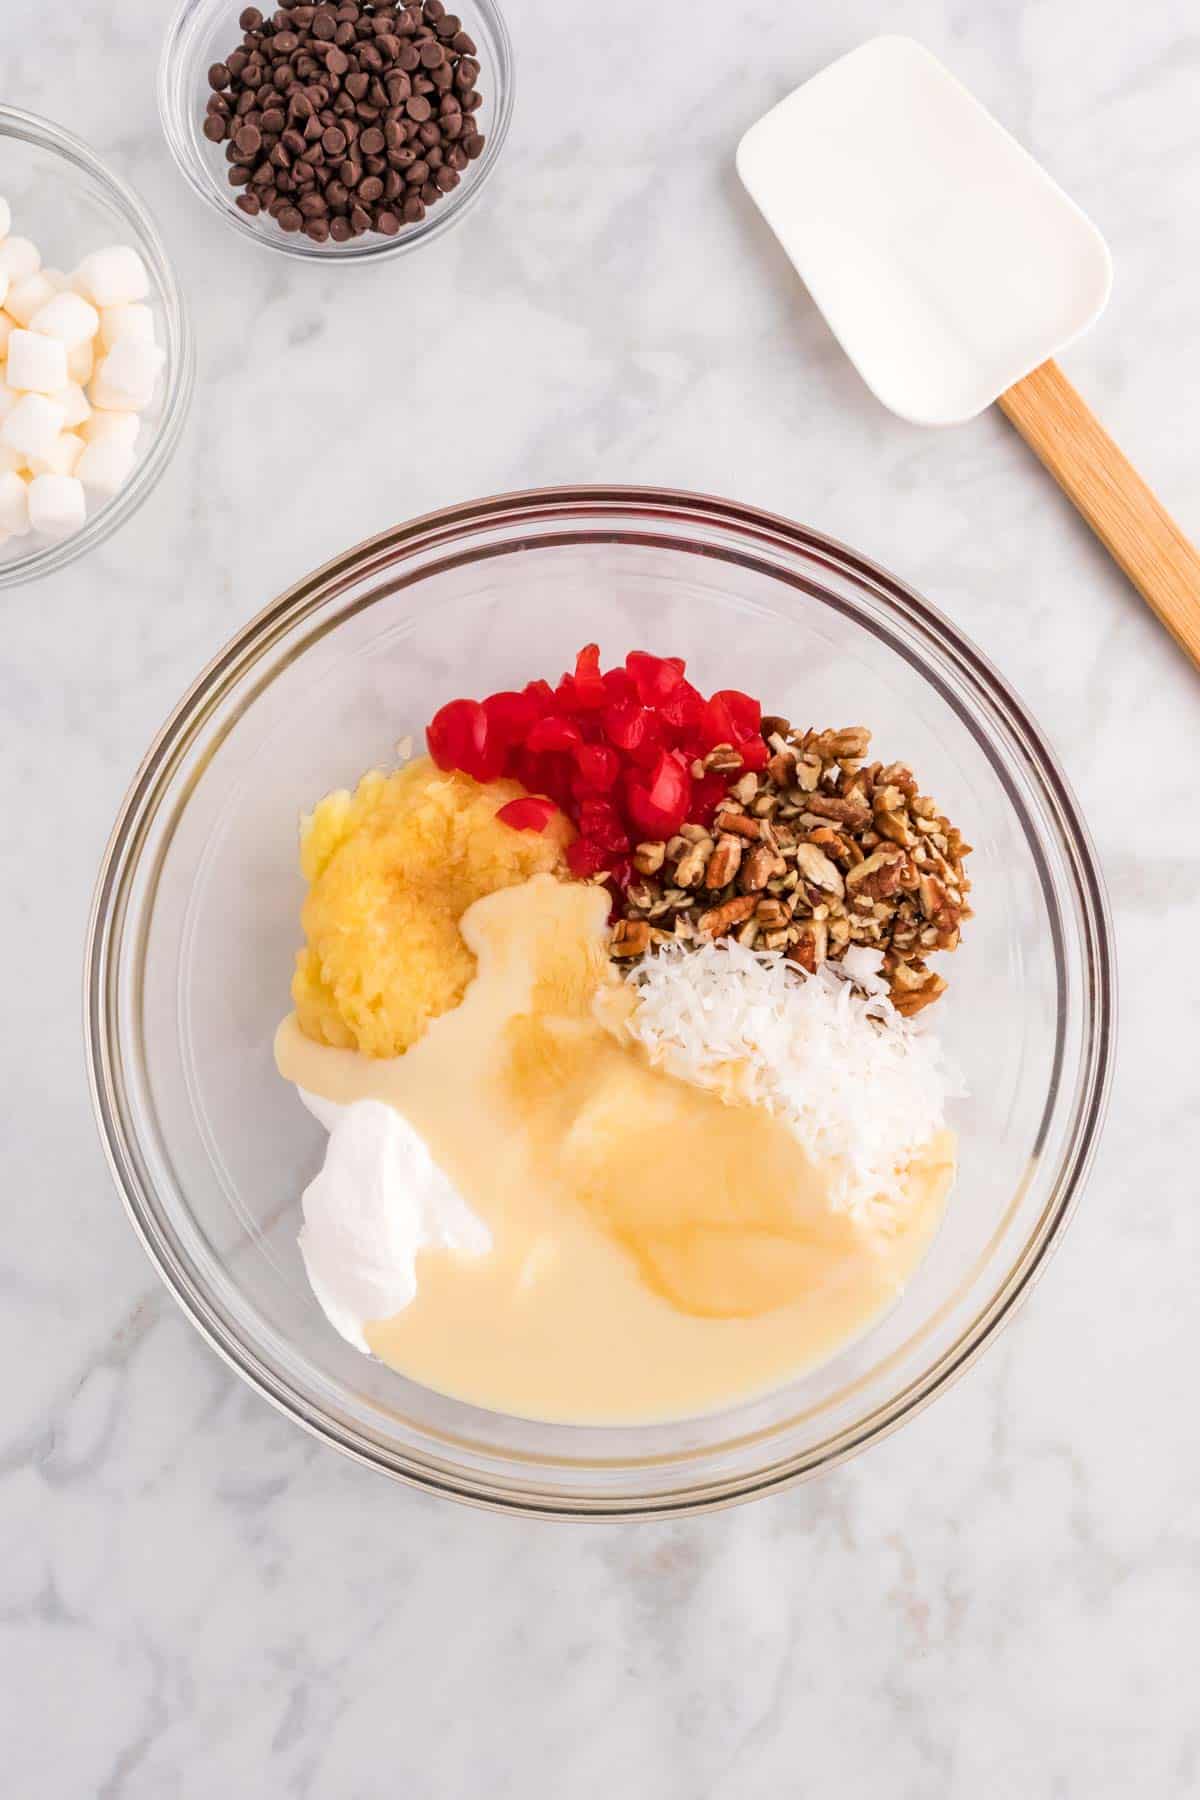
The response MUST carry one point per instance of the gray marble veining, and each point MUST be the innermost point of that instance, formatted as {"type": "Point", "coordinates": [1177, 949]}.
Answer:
{"type": "Point", "coordinates": [195, 1599]}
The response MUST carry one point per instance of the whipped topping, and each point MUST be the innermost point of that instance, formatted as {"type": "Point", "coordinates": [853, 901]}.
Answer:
{"type": "Point", "coordinates": [379, 1200]}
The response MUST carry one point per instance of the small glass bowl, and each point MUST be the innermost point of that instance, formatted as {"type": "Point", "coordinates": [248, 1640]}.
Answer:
{"type": "Point", "coordinates": [196, 921]}
{"type": "Point", "coordinates": [203, 32]}
{"type": "Point", "coordinates": [64, 198]}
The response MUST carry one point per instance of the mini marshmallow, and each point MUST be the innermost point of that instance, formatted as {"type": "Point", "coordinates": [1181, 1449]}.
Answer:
{"type": "Point", "coordinates": [133, 321]}
{"type": "Point", "coordinates": [14, 505]}
{"type": "Point", "coordinates": [27, 297]}
{"type": "Point", "coordinates": [64, 453]}
{"type": "Point", "coordinates": [81, 364]}
{"type": "Point", "coordinates": [4, 286]}
{"type": "Point", "coordinates": [6, 330]}
{"type": "Point", "coordinates": [19, 258]}
{"type": "Point", "coordinates": [74, 403]}
{"type": "Point", "coordinates": [104, 467]}
{"type": "Point", "coordinates": [11, 461]}
{"type": "Point", "coordinates": [57, 505]}
{"type": "Point", "coordinates": [5, 217]}
{"type": "Point", "coordinates": [120, 428]}
{"type": "Point", "coordinates": [35, 363]}
{"type": "Point", "coordinates": [33, 425]}
{"type": "Point", "coordinates": [111, 277]}
{"type": "Point", "coordinates": [8, 399]}
{"type": "Point", "coordinates": [126, 379]}
{"type": "Point", "coordinates": [68, 317]}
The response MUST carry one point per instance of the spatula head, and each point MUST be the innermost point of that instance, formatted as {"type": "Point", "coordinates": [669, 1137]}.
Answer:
{"type": "Point", "coordinates": [947, 263]}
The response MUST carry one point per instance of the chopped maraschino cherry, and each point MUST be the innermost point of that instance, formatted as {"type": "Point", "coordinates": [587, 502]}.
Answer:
{"type": "Point", "coordinates": [614, 749]}
{"type": "Point", "coordinates": [532, 812]}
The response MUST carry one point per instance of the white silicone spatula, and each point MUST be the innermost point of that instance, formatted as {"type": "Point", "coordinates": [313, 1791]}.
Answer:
{"type": "Point", "coordinates": [953, 270]}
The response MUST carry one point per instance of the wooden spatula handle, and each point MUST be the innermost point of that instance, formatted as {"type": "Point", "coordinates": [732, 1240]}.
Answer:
{"type": "Point", "coordinates": [1138, 533]}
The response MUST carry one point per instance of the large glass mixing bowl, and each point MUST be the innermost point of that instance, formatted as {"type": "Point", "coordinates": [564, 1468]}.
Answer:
{"type": "Point", "coordinates": [195, 925]}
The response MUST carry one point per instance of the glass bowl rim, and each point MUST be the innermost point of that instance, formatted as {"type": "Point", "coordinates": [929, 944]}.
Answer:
{"type": "Point", "coordinates": [372, 248]}
{"type": "Point", "coordinates": [33, 128]}
{"type": "Point", "coordinates": [438, 531]}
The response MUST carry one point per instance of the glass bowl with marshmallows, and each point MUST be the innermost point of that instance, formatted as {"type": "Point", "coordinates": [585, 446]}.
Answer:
{"type": "Point", "coordinates": [95, 350]}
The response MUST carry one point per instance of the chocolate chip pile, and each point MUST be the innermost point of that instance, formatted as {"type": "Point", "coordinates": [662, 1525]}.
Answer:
{"type": "Point", "coordinates": [344, 119]}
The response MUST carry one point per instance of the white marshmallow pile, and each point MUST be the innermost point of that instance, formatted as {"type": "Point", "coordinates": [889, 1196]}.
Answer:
{"type": "Point", "coordinates": [78, 364]}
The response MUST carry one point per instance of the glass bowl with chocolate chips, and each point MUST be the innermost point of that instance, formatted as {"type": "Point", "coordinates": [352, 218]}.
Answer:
{"type": "Point", "coordinates": [351, 130]}
{"type": "Point", "coordinates": [844, 845]}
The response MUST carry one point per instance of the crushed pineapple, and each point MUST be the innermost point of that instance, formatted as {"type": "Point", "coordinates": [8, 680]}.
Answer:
{"type": "Point", "coordinates": [391, 869]}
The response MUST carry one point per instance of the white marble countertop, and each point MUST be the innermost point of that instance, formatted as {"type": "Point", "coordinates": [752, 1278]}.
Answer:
{"type": "Point", "coordinates": [196, 1599]}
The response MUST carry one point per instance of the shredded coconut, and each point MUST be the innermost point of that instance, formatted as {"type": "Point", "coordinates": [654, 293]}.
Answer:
{"type": "Point", "coordinates": [862, 1089]}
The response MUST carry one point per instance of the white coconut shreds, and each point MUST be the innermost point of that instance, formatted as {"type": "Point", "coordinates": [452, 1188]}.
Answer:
{"type": "Point", "coordinates": [828, 1054]}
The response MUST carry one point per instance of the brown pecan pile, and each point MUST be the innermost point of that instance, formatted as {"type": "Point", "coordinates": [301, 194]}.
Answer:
{"type": "Point", "coordinates": [820, 851]}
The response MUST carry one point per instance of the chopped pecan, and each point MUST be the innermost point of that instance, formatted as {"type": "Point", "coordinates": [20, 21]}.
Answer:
{"type": "Point", "coordinates": [739, 823]}
{"type": "Point", "coordinates": [815, 867]}
{"type": "Point", "coordinates": [719, 918]}
{"type": "Point", "coordinates": [689, 870]}
{"type": "Point", "coordinates": [648, 859]}
{"type": "Point", "coordinates": [631, 937]}
{"type": "Point", "coordinates": [759, 867]}
{"type": "Point", "coordinates": [724, 863]}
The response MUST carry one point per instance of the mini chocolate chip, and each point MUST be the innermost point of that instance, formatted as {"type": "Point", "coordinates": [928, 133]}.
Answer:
{"type": "Point", "coordinates": [473, 145]}
{"type": "Point", "coordinates": [357, 85]}
{"type": "Point", "coordinates": [432, 55]}
{"type": "Point", "coordinates": [446, 179]}
{"type": "Point", "coordinates": [463, 44]}
{"type": "Point", "coordinates": [388, 223]}
{"type": "Point", "coordinates": [251, 19]}
{"type": "Point", "coordinates": [370, 190]}
{"type": "Point", "coordinates": [248, 141]}
{"type": "Point", "coordinates": [249, 203]}
{"type": "Point", "coordinates": [414, 208]}
{"type": "Point", "coordinates": [218, 76]}
{"type": "Point", "coordinates": [239, 175]}
{"type": "Point", "coordinates": [334, 140]}
{"type": "Point", "coordinates": [418, 108]}
{"type": "Point", "coordinates": [214, 128]}
{"type": "Point", "coordinates": [371, 142]}
{"type": "Point", "coordinates": [360, 218]}
{"type": "Point", "coordinates": [317, 230]}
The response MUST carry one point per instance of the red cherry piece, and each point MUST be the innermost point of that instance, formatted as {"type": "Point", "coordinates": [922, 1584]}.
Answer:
{"type": "Point", "coordinates": [598, 767]}
{"type": "Point", "coordinates": [655, 677]}
{"type": "Point", "coordinates": [585, 858]}
{"type": "Point", "coordinates": [511, 715]}
{"type": "Point", "coordinates": [460, 737]}
{"type": "Point", "coordinates": [590, 692]}
{"type": "Point", "coordinates": [553, 733]}
{"type": "Point", "coordinates": [745, 714]}
{"type": "Point", "coordinates": [530, 813]}
{"type": "Point", "coordinates": [754, 753]}
{"type": "Point", "coordinates": [541, 694]}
